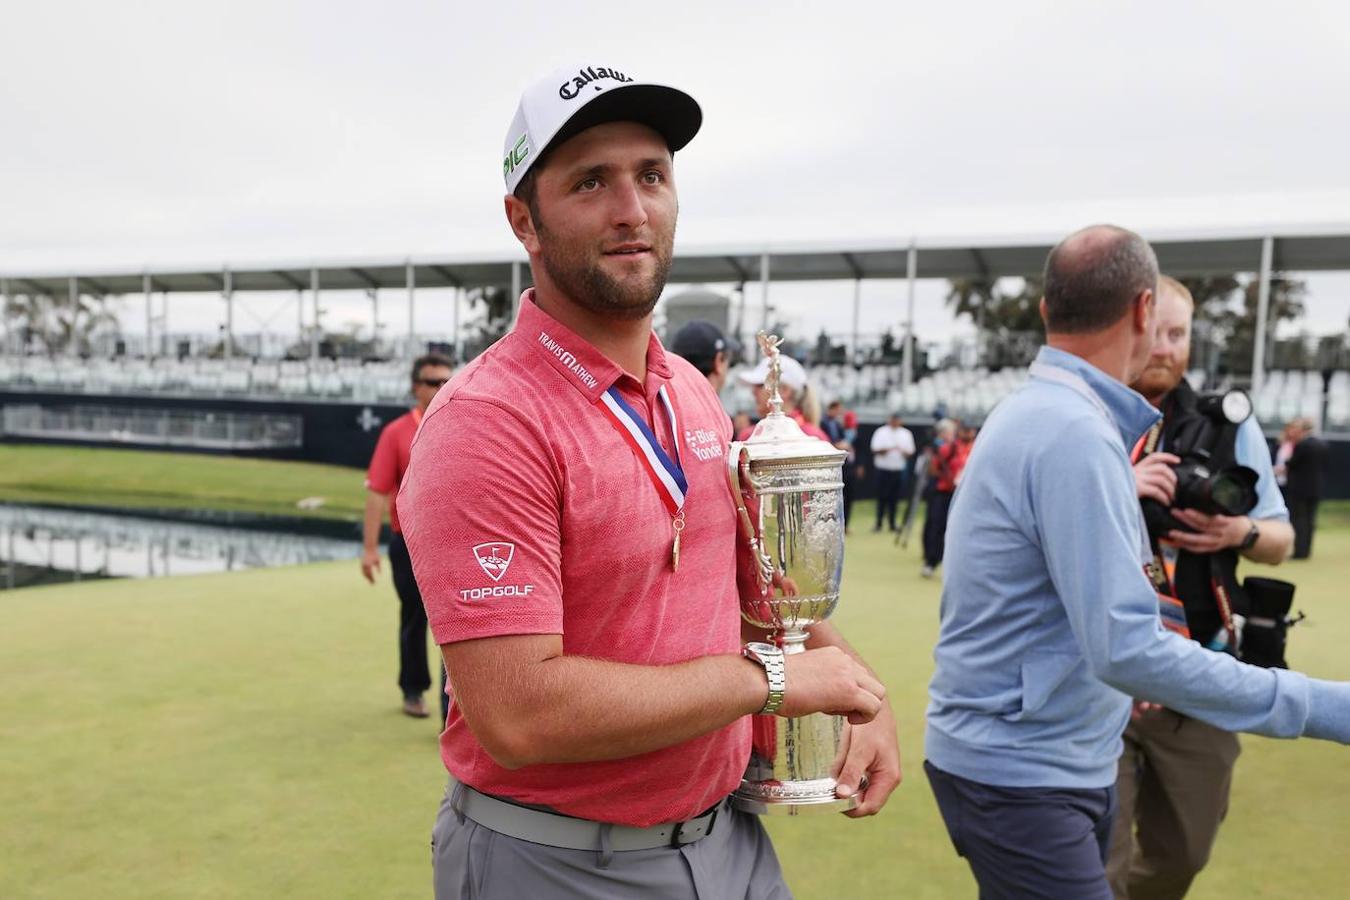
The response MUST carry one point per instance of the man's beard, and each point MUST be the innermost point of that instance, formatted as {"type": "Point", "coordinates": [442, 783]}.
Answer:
{"type": "Point", "coordinates": [583, 281]}
{"type": "Point", "coordinates": [1157, 380]}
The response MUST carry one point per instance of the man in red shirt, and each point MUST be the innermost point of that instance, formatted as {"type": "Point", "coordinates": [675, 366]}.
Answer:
{"type": "Point", "coordinates": [383, 477]}
{"type": "Point", "coordinates": [953, 441]}
{"type": "Point", "coordinates": [573, 534]}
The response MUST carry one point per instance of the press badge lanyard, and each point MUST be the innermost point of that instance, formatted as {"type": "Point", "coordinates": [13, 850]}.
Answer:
{"type": "Point", "coordinates": [1157, 569]}
{"type": "Point", "coordinates": [666, 474]}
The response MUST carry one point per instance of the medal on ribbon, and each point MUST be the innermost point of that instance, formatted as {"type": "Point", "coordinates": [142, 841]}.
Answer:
{"type": "Point", "coordinates": [665, 474]}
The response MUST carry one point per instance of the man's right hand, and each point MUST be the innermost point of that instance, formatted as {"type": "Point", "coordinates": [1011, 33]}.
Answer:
{"type": "Point", "coordinates": [1141, 708]}
{"type": "Point", "coordinates": [828, 680]}
{"type": "Point", "coordinates": [370, 564]}
{"type": "Point", "coordinates": [1155, 479]}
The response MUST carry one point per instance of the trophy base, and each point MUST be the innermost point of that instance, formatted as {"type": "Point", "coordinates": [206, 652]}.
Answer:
{"type": "Point", "coordinates": [790, 798]}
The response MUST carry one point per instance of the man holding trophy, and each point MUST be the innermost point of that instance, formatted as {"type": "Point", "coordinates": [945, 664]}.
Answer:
{"type": "Point", "coordinates": [572, 527]}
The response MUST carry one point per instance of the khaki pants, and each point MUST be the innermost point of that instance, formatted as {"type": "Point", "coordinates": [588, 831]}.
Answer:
{"type": "Point", "coordinates": [1173, 793]}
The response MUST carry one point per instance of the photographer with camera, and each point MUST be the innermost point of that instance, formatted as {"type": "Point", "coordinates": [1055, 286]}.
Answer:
{"type": "Point", "coordinates": [1208, 491]}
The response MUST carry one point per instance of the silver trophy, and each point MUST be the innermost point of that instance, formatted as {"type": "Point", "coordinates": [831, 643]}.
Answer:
{"type": "Point", "coordinates": [788, 488]}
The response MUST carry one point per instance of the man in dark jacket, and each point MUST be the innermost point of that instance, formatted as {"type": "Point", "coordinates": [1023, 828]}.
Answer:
{"type": "Point", "coordinates": [1305, 482]}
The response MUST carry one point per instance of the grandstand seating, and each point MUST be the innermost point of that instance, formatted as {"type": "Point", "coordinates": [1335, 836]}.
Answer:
{"type": "Point", "coordinates": [337, 380]}
{"type": "Point", "coordinates": [1338, 403]}
{"type": "Point", "coordinates": [874, 389]}
{"type": "Point", "coordinates": [971, 394]}
{"type": "Point", "coordinates": [1288, 395]}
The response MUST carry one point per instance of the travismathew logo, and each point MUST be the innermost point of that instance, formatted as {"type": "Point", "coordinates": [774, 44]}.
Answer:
{"type": "Point", "coordinates": [570, 90]}
{"type": "Point", "coordinates": [568, 359]}
{"type": "Point", "coordinates": [494, 558]}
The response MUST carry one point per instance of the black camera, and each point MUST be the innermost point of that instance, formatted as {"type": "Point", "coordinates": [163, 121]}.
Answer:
{"type": "Point", "coordinates": [1228, 491]}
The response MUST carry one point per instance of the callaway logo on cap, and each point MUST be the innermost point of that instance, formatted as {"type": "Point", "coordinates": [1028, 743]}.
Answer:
{"type": "Point", "coordinates": [572, 99]}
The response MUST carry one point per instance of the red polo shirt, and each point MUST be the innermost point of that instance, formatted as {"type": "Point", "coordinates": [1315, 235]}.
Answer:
{"type": "Point", "coordinates": [951, 460]}
{"type": "Point", "coordinates": [390, 460]}
{"type": "Point", "coordinates": [526, 512]}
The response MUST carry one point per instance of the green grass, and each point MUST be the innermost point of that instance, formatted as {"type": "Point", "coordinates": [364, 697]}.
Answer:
{"type": "Point", "coordinates": [238, 736]}
{"type": "Point", "coordinates": [1333, 514]}
{"type": "Point", "coordinates": [88, 476]}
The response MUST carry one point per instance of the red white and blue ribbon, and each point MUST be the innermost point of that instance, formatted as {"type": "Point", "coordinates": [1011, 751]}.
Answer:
{"type": "Point", "coordinates": [665, 473]}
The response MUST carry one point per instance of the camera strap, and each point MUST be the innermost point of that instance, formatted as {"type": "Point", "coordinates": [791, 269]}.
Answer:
{"type": "Point", "coordinates": [1225, 605]}
{"type": "Point", "coordinates": [1148, 443]}
{"type": "Point", "coordinates": [1157, 569]}
{"type": "Point", "coordinates": [1170, 609]}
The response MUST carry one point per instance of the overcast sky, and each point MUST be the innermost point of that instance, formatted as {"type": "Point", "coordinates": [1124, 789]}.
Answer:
{"type": "Point", "coordinates": [169, 133]}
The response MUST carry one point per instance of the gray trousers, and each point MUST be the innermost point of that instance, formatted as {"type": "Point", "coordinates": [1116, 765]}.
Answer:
{"type": "Point", "coordinates": [1173, 786]}
{"type": "Point", "coordinates": [472, 862]}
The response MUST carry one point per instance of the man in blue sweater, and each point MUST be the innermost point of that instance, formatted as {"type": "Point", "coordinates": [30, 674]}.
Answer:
{"type": "Point", "coordinates": [1049, 624]}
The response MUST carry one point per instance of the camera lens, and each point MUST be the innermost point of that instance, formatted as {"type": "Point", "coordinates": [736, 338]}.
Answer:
{"type": "Point", "coordinates": [1231, 496]}
{"type": "Point", "coordinates": [1230, 492]}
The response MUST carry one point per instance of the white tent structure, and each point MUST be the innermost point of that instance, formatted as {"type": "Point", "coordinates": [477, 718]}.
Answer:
{"type": "Point", "coordinates": [1261, 251]}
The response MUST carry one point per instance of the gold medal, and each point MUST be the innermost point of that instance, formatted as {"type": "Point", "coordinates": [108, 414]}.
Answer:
{"type": "Point", "coordinates": [677, 524]}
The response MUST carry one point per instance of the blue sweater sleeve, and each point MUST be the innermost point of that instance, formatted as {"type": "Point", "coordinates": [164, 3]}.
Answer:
{"type": "Point", "coordinates": [1088, 523]}
{"type": "Point", "coordinates": [1251, 450]}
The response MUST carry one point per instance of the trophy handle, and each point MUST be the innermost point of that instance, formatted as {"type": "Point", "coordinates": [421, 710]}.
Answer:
{"type": "Point", "coordinates": [738, 477]}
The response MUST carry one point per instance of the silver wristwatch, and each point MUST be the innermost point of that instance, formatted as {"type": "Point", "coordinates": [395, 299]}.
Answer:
{"type": "Point", "coordinates": [771, 658]}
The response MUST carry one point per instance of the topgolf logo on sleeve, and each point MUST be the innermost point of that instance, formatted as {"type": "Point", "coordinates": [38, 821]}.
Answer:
{"type": "Point", "coordinates": [494, 558]}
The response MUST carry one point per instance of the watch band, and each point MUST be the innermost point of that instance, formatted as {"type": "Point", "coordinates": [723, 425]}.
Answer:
{"type": "Point", "coordinates": [1252, 537]}
{"type": "Point", "coordinates": [771, 658]}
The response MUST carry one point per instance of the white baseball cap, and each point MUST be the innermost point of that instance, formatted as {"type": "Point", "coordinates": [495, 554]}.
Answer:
{"type": "Point", "coordinates": [792, 373]}
{"type": "Point", "coordinates": [574, 98]}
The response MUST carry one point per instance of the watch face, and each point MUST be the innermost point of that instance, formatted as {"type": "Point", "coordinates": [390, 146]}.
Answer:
{"type": "Point", "coordinates": [1237, 406]}
{"type": "Point", "coordinates": [761, 648]}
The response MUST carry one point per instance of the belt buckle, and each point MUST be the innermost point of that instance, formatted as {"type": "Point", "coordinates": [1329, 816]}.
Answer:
{"type": "Point", "coordinates": [679, 827]}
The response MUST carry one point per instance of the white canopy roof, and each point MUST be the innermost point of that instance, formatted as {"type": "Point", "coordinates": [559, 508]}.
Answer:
{"type": "Point", "coordinates": [1306, 249]}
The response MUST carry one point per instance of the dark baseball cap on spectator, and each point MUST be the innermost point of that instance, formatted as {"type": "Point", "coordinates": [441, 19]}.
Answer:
{"type": "Point", "coordinates": [700, 342]}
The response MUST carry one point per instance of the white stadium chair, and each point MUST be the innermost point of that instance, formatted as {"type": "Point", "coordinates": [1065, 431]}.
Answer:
{"type": "Point", "coordinates": [1338, 412]}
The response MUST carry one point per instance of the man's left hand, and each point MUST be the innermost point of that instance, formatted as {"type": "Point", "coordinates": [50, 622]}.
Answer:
{"type": "Point", "coordinates": [1212, 533]}
{"type": "Point", "coordinates": [873, 754]}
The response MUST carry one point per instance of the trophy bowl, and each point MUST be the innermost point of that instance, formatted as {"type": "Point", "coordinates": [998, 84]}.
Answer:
{"type": "Point", "coordinates": [788, 490]}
